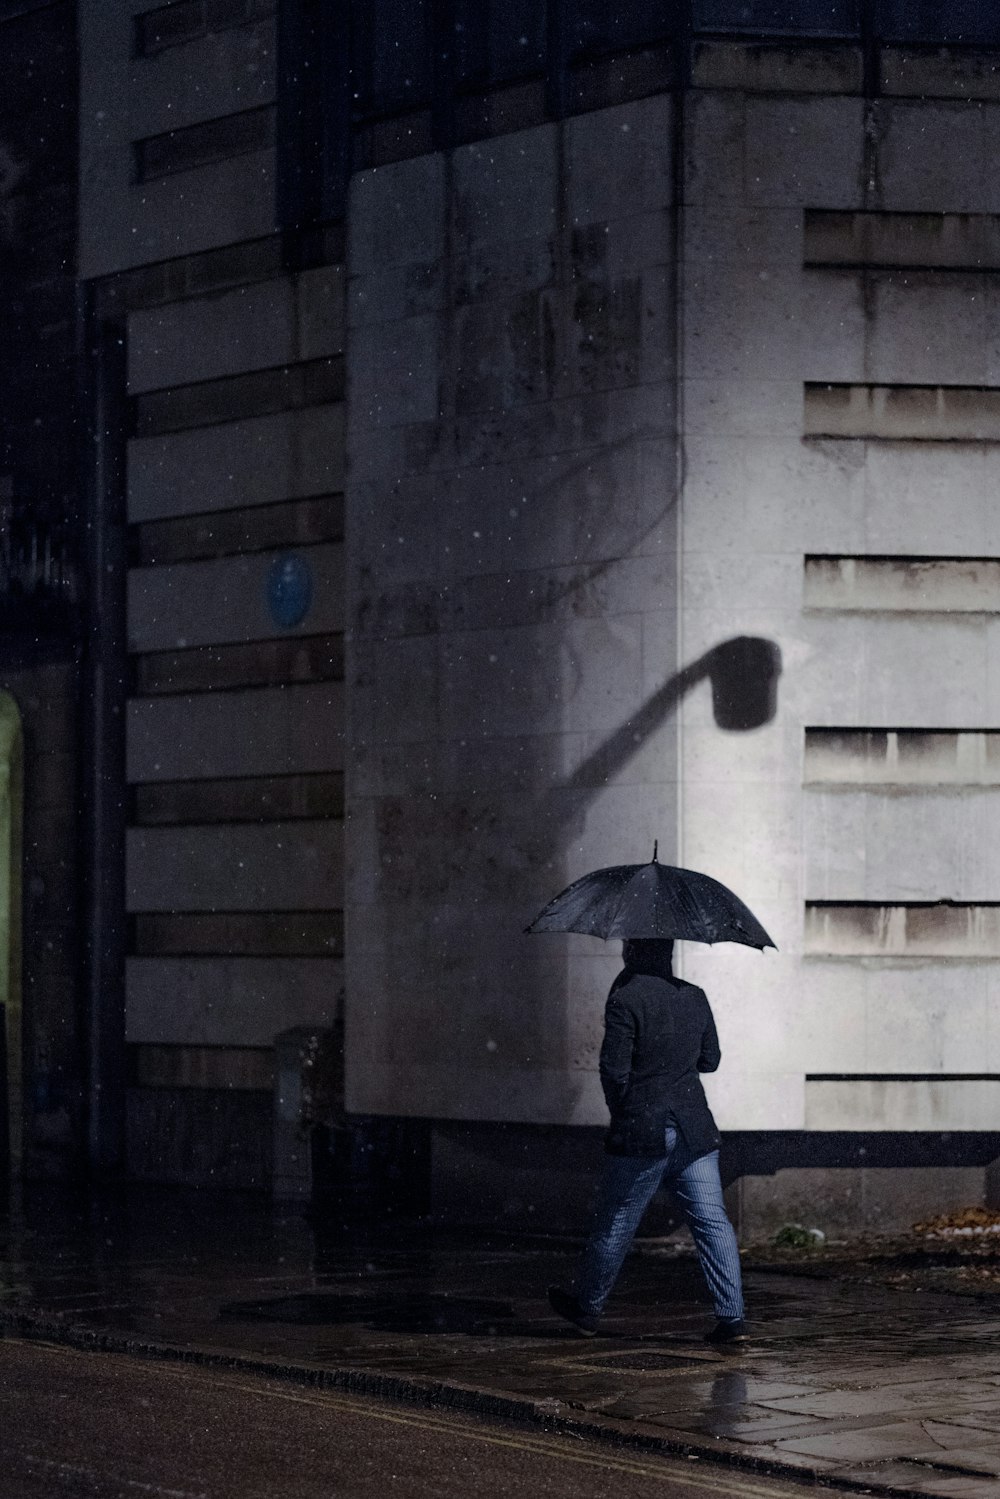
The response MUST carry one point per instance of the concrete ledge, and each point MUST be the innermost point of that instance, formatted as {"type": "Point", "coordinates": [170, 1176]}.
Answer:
{"type": "Point", "coordinates": [901, 758]}
{"type": "Point", "coordinates": [937, 241]}
{"type": "Point", "coordinates": [237, 1002]}
{"type": "Point", "coordinates": [966, 585]}
{"type": "Point", "coordinates": [263, 731]}
{"type": "Point", "coordinates": [278, 866]}
{"type": "Point", "coordinates": [916, 929]}
{"type": "Point", "coordinates": [187, 604]}
{"type": "Point", "coordinates": [777, 67]}
{"type": "Point", "coordinates": [940, 73]}
{"type": "Point", "coordinates": [925, 413]}
{"type": "Point", "coordinates": [192, 77]}
{"type": "Point", "coordinates": [904, 1103]}
{"type": "Point", "coordinates": [255, 327]}
{"type": "Point", "coordinates": [258, 461]}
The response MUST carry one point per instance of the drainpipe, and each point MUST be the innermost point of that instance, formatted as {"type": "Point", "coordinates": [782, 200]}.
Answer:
{"type": "Point", "coordinates": [683, 43]}
{"type": "Point", "coordinates": [104, 415]}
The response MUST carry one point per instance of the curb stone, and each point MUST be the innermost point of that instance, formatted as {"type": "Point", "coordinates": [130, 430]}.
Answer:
{"type": "Point", "coordinates": [438, 1394]}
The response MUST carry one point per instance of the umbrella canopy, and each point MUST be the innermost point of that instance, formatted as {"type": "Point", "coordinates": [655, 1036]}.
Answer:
{"type": "Point", "coordinates": [652, 900]}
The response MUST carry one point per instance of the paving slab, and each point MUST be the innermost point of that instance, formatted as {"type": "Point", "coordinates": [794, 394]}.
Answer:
{"type": "Point", "coordinates": [862, 1387]}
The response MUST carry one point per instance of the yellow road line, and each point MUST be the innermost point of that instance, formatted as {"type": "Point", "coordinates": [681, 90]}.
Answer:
{"type": "Point", "coordinates": [715, 1483]}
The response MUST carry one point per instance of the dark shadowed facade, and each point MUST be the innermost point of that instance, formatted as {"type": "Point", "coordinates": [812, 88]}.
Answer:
{"type": "Point", "coordinates": [42, 1115]}
{"type": "Point", "coordinates": [522, 432]}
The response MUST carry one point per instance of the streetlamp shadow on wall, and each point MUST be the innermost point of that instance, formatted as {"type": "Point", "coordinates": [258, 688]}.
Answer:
{"type": "Point", "coordinates": [743, 673]}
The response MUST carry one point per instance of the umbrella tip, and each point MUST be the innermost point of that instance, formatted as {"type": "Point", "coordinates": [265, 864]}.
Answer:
{"type": "Point", "coordinates": [656, 845]}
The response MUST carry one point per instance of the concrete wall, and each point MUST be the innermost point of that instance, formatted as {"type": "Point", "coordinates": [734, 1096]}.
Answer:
{"type": "Point", "coordinates": [234, 870]}
{"type": "Point", "coordinates": [512, 601]}
{"type": "Point", "coordinates": [835, 407]}
{"type": "Point", "coordinates": [839, 445]}
{"type": "Point", "coordinates": [622, 390]}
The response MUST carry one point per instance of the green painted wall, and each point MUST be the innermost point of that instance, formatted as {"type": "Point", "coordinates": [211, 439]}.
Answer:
{"type": "Point", "coordinates": [11, 802]}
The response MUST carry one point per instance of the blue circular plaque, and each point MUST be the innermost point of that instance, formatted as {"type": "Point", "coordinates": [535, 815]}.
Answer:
{"type": "Point", "coordinates": [289, 590]}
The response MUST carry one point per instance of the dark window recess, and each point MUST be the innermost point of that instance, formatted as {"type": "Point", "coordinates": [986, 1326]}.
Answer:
{"type": "Point", "coordinates": [902, 1077]}
{"type": "Point", "coordinates": [596, 28]}
{"type": "Point", "coordinates": [289, 387]}
{"type": "Point", "coordinates": [262, 663]}
{"type": "Point", "coordinates": [11, 9]}
{"type": "Point", "coordinates": [264, 934]}
{"type": "Point", "coordinates": [497, 41]}
{"type": "Point", "coordinates": [781, 17]}
{"type": "Point", "coordinates": [393, 54]}
{"type": "Point", "coordinates": [315, 89]}
{"type": "Point", "coordinates": [248, 799]}
{"type": "Point", "coordinates": [197, 145]}
{"type": "Point", "coordinates": [223, 533]}
{"type": "Point", "coordinates": [186, 20]}
{"type": "Point", "coordinates": [934, 21]}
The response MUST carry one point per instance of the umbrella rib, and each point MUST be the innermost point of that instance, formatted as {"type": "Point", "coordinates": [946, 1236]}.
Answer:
{"type": "Point", "coordinates": [621, 900]}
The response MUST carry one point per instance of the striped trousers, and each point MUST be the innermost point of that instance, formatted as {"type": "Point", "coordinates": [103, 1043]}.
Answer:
{"type": "Point", "coordinates": [626, 1189]}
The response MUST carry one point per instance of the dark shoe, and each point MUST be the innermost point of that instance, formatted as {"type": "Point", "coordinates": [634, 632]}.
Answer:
{"type": "Point", "coordinates": [727, 1332]}
{"type": "Point", "coordinates": [567, 1306]}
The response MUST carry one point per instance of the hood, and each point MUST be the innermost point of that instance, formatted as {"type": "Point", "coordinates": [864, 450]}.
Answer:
{"type": "Point", "coordinates": [652, 955]}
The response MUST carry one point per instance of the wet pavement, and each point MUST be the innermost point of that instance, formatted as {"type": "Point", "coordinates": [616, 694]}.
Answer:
{"type": "Point", "coordinates": [208, 1433]}
{"type": "Point", "coordinates": [862, 1387]}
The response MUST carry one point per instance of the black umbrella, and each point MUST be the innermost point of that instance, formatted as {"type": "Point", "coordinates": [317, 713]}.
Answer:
{"type": "Point", "coordinates": [652, 900]}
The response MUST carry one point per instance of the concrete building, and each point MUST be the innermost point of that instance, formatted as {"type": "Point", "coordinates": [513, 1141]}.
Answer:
{"type": "Point", "coordinates": [646, 367]}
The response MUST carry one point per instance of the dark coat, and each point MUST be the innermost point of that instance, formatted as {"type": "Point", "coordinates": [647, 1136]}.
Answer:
{"type": "Point", "coordinates": [658, 1036]}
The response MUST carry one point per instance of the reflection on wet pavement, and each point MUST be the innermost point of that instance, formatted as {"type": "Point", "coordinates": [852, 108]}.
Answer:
{"type": "Point", "coordinates": [416, 1313]}
{"type": "Point", "coordinates": [900, 1390]}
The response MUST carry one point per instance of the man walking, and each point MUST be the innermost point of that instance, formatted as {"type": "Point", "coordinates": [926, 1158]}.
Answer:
{"type": "Point", "coordinates": [659, 1035]}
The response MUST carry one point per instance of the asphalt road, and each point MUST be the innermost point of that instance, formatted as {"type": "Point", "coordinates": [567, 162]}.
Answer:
{"type": "Point", "coordinates": [102, 1426]}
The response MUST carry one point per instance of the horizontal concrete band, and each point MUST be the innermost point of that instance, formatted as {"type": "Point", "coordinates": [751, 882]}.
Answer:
{"type": "Point", "coordinates": [253, 327]}
{"type": "Point", "coordinates": [968, 585]}
{"type": "Point", "coordinates": [264, 934]}
{"type": "Point", "coordinates": [265, 731]}
{"type": "Point", "coordinates": [928, 413]}
{"type": "Point", "coordinates": [246, 799]}
{"type": "Point", "coordinates": [250, 1069]}
{"type": "Point", "coordinates": [185, 213]}
{"type": "Point", "coordinates": [796, 67]}
{"type": "Point", "coordinates": [213, 59]}
{"type": "Point", "coordinates": [902, 757]}
{"type": "Point", "coordinates": [783, 67]}
{"type": "Point", "coordinates": [184, 21]}
{"type": "Point", "coordinates": [540, 1095]}
{"type": "Point", "coordinates": [227, 1001]}
{"type": "Point", "coordinates": [903, 929]}
{"type": "Point", "coordinates": [777, 67]}
{"type": "Point", "coordinates": [229, 600]}
{"type": "Point", "coordinates": [236, 464]}
{"type": "Point", "coordinates": [935, 241]}
{"type": "Point", "coordinates": [228, 533]}
{"type": "Point", "coordinates": [297, 866]}
{"type": "Point", "coordinates": [903, 1104]}
{"type": "Point", "coordinates": [218, 270]}
{"type": "Point", "coordinates": [592, 84]}
{"type": "Point", "coordinates": [940, 72]}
